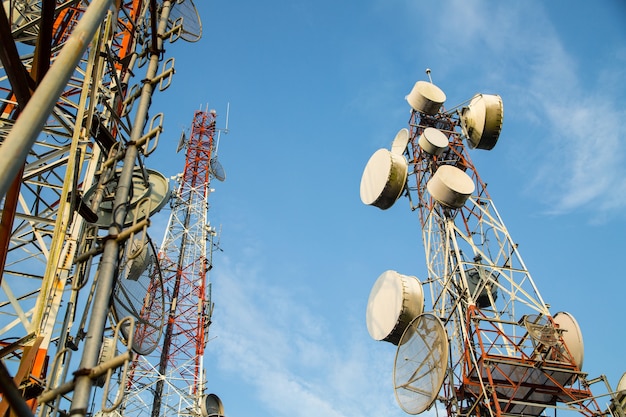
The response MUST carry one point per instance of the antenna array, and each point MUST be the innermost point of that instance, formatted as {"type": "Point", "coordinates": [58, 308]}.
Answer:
{"type": "Point", "coordinates": [508, 355]}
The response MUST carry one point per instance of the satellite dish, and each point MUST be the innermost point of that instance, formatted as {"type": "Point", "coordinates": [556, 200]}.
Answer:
{"type": "Point", "coordinates": [217, 169]}
{"type": "Point", "coordinates": [157, 189]}
{"type": "Point", "coordinates": [211, 406]}
{"type": "Point", "coordinates": [541, 329]}
{"type": "Point", "coordinates": [139, 293]}
{"type": "Point", "coordinates": [185, 11]}
{"type": "Point", "coordinates": [394, 301]}
{"type": "Point", "coordinates": [420, 364]}
{"type": "Point", "coordinates": [398, 146]}
{"type": "Point", "coordinates": [450, 186]}
{"type": "Point", "coordinates": [433, 141]}
{"type": "Point", "coordinates": [426, 98]}
{"type": "Point", "coordinates": [383, 179]}
{"type": "Point", "coordinates": [572, 338]}
{"type": "Point", "coordinates": [481, 121]}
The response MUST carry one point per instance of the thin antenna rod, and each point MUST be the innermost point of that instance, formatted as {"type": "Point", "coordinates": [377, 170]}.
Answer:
{"type": "Point", "coordinates": [227, 112]}
{"type": "Point", "coordinates": [428, 73]}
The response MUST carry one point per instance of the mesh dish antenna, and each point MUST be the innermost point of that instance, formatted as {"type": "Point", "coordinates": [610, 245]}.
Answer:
{"type": "Point", "coordinates": [217, 169]}
{"type": "Point", "coordinates": [157, 189]}
{"type": "Point", "coordinates": [139, 293]}
{"type": "Point", "coordinates": [184, 12]}
{"type": "Point", "coordinates": [420, 364]}
{"type": "Point", "coordinates": [541, 329]}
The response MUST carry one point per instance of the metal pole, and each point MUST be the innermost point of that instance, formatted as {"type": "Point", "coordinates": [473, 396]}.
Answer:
{"type": "Point", "coordinates": [28, 126]}
{"type": "Point", "coordinates": [109, 261]}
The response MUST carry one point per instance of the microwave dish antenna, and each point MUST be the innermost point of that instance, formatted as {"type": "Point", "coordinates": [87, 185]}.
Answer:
{"type": "Point", "coordinates": [217, 169]}
{"type": "Point", "coordinates": [572, 338]}
{"type": "Point", "coordinates": [139, 293]}
{"type": "Point", "coordinates": [157, 189]}
{"type": "Point", "coordinates": [433, 141]}
{"type": "Point", "coordinates": [421, 363]}
{"type": "Point", "coordinates": [426, 98]}
{"type": "Point", "coordinates": [211, 406]}
{"type": "Point", "coordinates": [383, 179]}
{"type": "Point", "coordinates": [506, 355]}
{"type": "Point", "coordinates": [184, 12]}
{"type": "Point", "coordinates": [481, 121]}
{"type": "Point", "coordinates": [541, 329]}
{"type": "Point", "coordinates": [400, 142]}
{"type": "Point", "coordinates": [394, 301]}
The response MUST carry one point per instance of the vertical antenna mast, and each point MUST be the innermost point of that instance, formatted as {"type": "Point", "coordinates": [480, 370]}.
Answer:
{"type": "Point", "coordinates": [171, 380]}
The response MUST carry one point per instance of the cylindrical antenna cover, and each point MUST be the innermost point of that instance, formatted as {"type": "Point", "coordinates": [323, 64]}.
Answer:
{"type": "Point", "coordinates": [433, 141]}
{"type": "Point", "coordinates": [481, 121]}
{"type": "Point", "coordinates": [383, 179]}
{"type": "Point", "coordinates": [426, 98]}
{"type": "Point", "coordinates": [394, 301]}
{"type": "Point", "coordinates": [450, 186]}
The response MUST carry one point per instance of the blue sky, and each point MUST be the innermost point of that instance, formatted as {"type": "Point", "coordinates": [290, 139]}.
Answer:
{"type": "Point", "coordinates": [314, 89]}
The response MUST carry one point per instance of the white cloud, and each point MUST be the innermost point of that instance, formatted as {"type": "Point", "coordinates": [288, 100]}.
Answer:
{"type": "Point", "coordinates": [578, 162]}
{"type": "Point", "coordinates": [270, 340]}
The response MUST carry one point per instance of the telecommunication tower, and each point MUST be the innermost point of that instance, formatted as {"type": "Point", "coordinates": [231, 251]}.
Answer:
{"type": "Point", "coordinates": [171, 380]}
{"type": "Point", "coordinates": [475, 334]}
{"type": "Point", "coordinates": [76, 85]}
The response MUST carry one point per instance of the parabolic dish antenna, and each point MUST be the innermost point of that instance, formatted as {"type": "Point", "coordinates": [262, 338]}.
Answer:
{"type": "Point", "coordinates": [433, 141]}
{"type": "Point", "coordinates": [217, 169]}
{"type": "Point", "coordinates": [211, 406]}
{"type": "Point", "coordinates": [540, 329]}
{"type": "Point", "coordinates": [450, 186]}
{"type": "Point", "coordinates": [420, 364]}
{"type": "Point", "coordinates": [383, 179]}
{"type": "Point", "coordinates": [572, 338]}
{"type": "Point", "coordinates": [139, 293]}
{"type": "Point", "coordinates": [398, 146]}
{"type": "Point", "coordinates": [426, 98]}
{"type": "Point", "coordinates": [481, 121]}
{"type": "Point", "coordinates": [394, 301]}
{"type": "Point", "coordinates": [192, 26]}
{"type": "Point", "coordinates": [157, 189]}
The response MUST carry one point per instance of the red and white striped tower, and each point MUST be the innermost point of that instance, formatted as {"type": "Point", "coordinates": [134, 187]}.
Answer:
{"type": "Point", "coordinates": [170, 381]}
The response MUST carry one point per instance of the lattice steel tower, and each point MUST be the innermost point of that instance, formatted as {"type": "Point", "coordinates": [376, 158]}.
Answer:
{"type": "Point", "coordinates": [475, 334]}
{"type": "Point", "coordinates": [76, 85]}
{"type": "Point", "coordinates": [171, 380]}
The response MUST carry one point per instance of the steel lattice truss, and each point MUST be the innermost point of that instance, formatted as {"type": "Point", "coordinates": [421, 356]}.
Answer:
{"type": "Point", "coordinates": [482, 291]}
{"type": "Point", "coordinates": [171, 380]}
{"type": "Point", "coordinates": [51, 242]}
